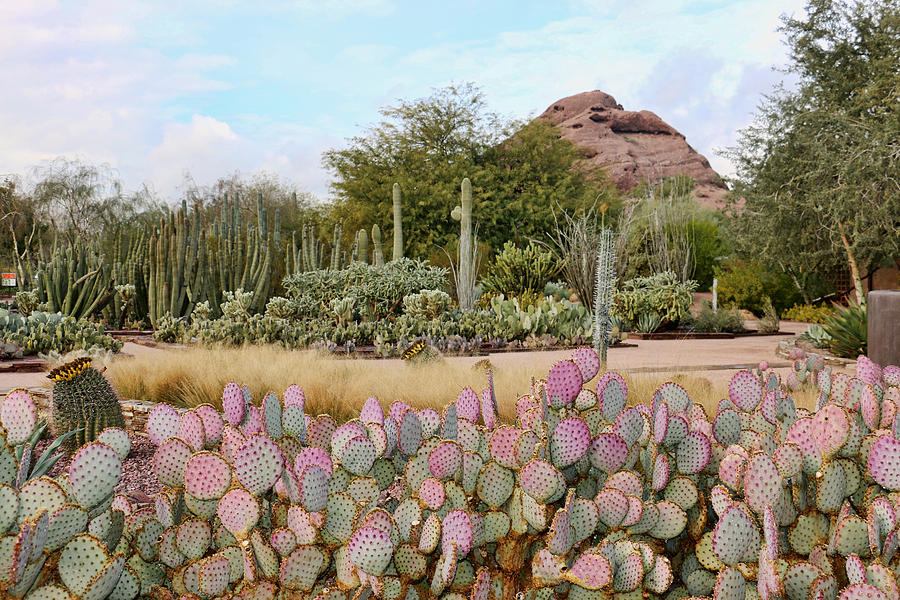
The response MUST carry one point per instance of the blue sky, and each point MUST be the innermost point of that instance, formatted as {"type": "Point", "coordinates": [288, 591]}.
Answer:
{"type": "Point", "coordinates": [158, 89]}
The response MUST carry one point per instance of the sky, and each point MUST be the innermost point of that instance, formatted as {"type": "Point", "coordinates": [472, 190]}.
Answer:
{"type": "Point", "coordinates": [160, 89]}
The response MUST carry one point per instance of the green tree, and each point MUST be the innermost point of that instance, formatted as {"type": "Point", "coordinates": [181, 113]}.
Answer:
{"type": "Point", "coordinates": [816, 178]}
{"type": "Point", "coordinates": [429, 145]}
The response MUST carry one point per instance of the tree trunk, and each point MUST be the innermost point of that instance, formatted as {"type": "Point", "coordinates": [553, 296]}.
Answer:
{"type": "Point", "coordinates": [854, 270]}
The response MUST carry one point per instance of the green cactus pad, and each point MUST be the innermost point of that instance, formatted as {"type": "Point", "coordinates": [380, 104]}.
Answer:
{"type": "Point", "coordinates": [409, 434]}
{"type": "Point", "coordinates": [239, 511]}
{"type": "Point", "coordinates": [629, 425]}
{"type": "Point", "coordinates": [495, 484]}
{"type": "Point", "coordinates": [38, 494]}
{"type": "Point", "coordinates": [146, 540]}
{"type": "Point", "coordinates": [319, 432]}
{"type": "Point", "coordinates": [82, 559]}
{"type": "Point", "coordinates": [312, 483]}
{"type": "Point", "coordinates": [193, 538]}
{"type": "Point", "coordinates": [364, 489]}
{"type": "Point", "coordinates": [359, 455]}
{"type": "Point", "coordinates": [93, 474]}
{"type": "Point", "coordinates": [168, 550]}
{"type": "Point", "coordinates": [300, 570]}
{"type": "Point", "coordinates": [682, 491]}
{"type": "Point", "coordinates": [851, 537]}
{"type": "Point", "coordinates": [432, 494]}
{"type": "Point", "coordinates": [735, 535]}
{"type": "Point", "coordinates": [258, 464]}
{"type": "Point", "coordinates": [341, 512]}
{"type": "Point", "coordinates": [762, 483]}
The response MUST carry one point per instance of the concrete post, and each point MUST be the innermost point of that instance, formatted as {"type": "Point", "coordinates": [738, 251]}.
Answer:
{"type": "Point", "coordinates": [884, 327]}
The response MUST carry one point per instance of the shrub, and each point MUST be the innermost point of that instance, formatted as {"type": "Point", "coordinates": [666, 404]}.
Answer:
{"type": "Point", "coordinates": [379, 290]}
{"type": "Point", "coordinates": [661, 294]}
{"type": "Point", "coordinates": [519, 270]}
{"type": "Point", "coordinates": [746, 285]}
{"type": "Point", "coordinates": [726, 320]}
{"type": "Point", "coordinates": [427, 304]}
{"type": "Point", "coordinates": [43, 332]}
{"type": "Point", "coordinates": [768, 322]}
{"type": "Point", "coordinates": [807, 313]}
{"type": "Point", "coordinates": [848, 329]}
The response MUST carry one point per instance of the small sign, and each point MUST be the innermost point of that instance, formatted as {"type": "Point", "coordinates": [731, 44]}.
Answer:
{"type": "Point", "coordinates": [8, 280]}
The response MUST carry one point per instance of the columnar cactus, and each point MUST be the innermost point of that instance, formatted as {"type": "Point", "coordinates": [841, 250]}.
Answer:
{"type": "Point", "coordinates": [465, 270]}
{"type": "Point", "coordinates": [398, 223]}
{"type": "Point", "coordinates": [604, 287]}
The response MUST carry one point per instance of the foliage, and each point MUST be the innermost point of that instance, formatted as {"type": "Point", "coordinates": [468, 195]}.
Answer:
{"type": "Point", "coordinates": [574, 242]}
{"type": "Point", "coordinates": [43, 332]}
{"type": "Point", "coordinates": [726, 320]}
{"type": "Point", "coordinates": [379, 291]}
{"type": "Point", "coordinates": [429, 145]}
{"type": "Point", "coordinates": [768, 322]}
{"type": "Point", "coordinates": [663, 295]}
{"type": "Point", "coordinates": [816, 185]}
{"type": "Point", "coordinates": [26, 302]}
{"type": "Point", "coordinates": [427, 304]}
{"type": "Point", "coordinates": [848, 330]}
{"type": "Point", "coordinates": [506, 322]}
{"type": "Point", "coordinates": [817, 335]}
{"type": "Point", "coordinates": [665, 229]}
{"type": "Point", "coordinates": [263, 501]}
{"type": "Point", "coordinates": [746, 284]}
{"type": "Point", "coordinates": [77, 281]}
{"type": "Point", "coordinates": [517, 270]}
{"type": "Point", "coordinates": [807, 313]}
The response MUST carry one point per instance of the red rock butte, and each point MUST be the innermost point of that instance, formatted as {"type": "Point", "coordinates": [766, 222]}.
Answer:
{"type": "Point", "coordinates": [632, 145]}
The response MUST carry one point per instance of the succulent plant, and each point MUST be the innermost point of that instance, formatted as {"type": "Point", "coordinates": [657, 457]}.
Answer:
{"type": "Point", "coordinates": [585, 495]}
{"type": "Point", "coordinates": [83, 401]}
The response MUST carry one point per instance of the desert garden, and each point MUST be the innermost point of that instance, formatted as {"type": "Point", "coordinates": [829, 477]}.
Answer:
{"type": "Point", "coordinates": [504, 360]}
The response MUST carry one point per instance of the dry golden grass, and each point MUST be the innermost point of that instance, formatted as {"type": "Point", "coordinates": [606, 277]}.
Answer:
{"type": "Point", "coordinates": [339, 387]}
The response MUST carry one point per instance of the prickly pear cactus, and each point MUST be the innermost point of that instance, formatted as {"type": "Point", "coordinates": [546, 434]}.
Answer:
{"type": "Point", "coordinates": [587, 494]}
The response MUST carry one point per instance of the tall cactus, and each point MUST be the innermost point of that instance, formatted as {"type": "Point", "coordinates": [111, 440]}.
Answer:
{"type": "Point", "coordinates": [604, 285]}
{"type": "Point", "coordinates": [398, 223]}
{"type": "Point", "coordinates": [362, 246]}
{"type": "Point", "coordinates": [464, 273]}
{"type": "Point", "coordinates": [336, 246]}
{"type": "Point", "coordinates": [377, 252]}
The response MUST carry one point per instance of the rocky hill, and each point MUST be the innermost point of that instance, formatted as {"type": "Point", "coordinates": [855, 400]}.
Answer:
{"type": "Point", "coordinates": [632, 145]}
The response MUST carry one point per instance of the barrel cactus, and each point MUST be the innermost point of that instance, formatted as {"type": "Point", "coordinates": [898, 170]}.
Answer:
{"type": "Point", "coordinates": [83, 401]}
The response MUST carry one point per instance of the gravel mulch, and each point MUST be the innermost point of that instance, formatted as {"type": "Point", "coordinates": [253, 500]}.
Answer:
{"type": "Point", "coordinates": [138, 481]}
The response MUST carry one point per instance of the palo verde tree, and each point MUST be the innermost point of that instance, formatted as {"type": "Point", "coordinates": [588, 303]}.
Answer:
{"type": "Point", "coordinates": [818, 171]}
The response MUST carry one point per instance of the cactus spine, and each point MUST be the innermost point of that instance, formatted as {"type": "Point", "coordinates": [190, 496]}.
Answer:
{"type": "Point", "coordinates": [398, 223]}
{"type": "Point", "coordinates": [604, 285]}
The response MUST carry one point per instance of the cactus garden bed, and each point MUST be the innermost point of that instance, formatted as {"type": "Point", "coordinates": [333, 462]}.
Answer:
{"type": "Point", "coordinates": [587, 493]}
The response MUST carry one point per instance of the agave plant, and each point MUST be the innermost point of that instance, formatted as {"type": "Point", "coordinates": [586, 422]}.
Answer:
{"type": "Point", "coordinates": [848, 329]}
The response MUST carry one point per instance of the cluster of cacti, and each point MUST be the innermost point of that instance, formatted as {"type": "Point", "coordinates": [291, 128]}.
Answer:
{"type": "Point", "coordinates": [43, 332]}
{"type": "Point", "coordinates": [67, 537]}
{"type": "Point", "coordinates": [76, 281]}
{"type": "Point", "coordinates": [583, 497]}
{"type": "Point", "coordinates": [83, 401]}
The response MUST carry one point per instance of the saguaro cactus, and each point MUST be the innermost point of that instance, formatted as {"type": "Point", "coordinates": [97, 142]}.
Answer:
{"type": "Point", "coordinates": [378, 251]}
{"type": "Point", "coordinates": [362, 246]}
{"type": "Point", "coordinates": [398, 223]}
{"type": "Point", "coordinates": [604, 285]}
{"type": "Point", "coordinates": [465, 271]}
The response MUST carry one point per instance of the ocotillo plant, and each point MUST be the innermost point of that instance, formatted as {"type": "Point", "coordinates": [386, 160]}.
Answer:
{"type": "Point", "coordinates": [604, 286]}
{"type": "Point", "coordinates": [398, 223]}
{"type": "Point", "coordinates": [464, 272]}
